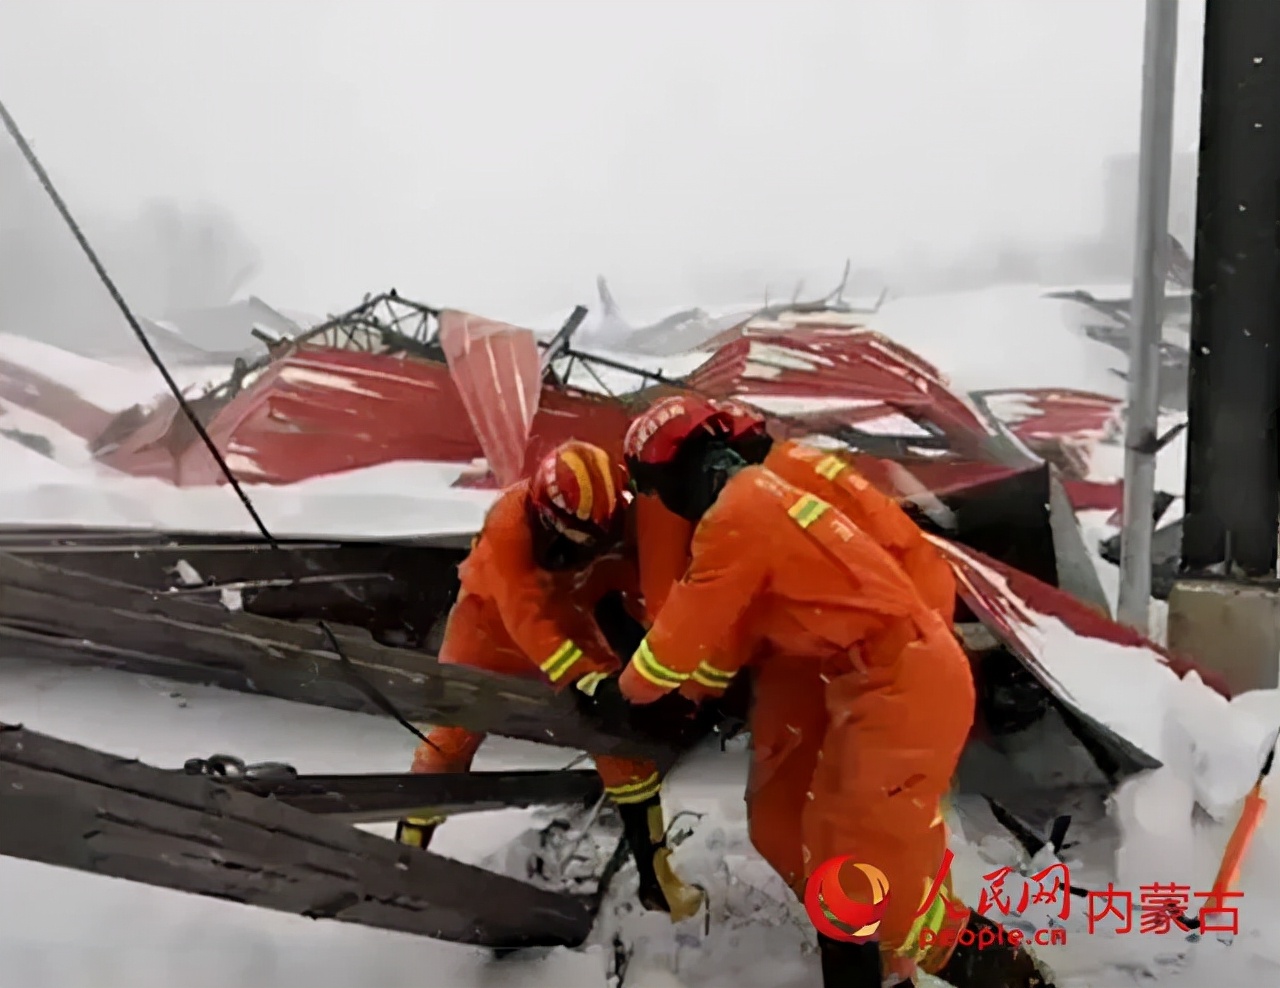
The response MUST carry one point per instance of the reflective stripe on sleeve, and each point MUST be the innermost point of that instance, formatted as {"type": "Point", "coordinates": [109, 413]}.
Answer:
{"type": "Point", "coordinates": [561, 661]}
{"type": "Point", "coordinates": [808, 510]}
{"type": "Point", "coordinates": [647, 664]}
{"type": "Point", "coordinates": [636, 792]}
{"type": "Point", "coordinates": [709, 676]}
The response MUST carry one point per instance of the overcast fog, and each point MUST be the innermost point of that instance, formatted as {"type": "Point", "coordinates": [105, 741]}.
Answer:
{"type": "Point", "coordinates": [498, 155]}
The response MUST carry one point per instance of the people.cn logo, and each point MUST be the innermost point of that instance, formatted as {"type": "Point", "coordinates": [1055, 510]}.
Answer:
{"type": "Point", "coordinates": [847, 900]}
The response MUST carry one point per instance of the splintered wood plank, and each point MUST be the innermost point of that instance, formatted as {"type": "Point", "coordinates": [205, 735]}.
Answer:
{"type": "Point", "coordinates": [371, 798]}
{"type": "Point", "coordinates": [150, 631]}
{"type": "Point", "coordinates": [71, 806]}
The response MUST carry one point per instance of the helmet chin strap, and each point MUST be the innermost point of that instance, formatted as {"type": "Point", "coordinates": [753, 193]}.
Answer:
{"type": "Point", "coordinates": [555, 550]}
{"type": "Point", "coordinates": [689, 493]}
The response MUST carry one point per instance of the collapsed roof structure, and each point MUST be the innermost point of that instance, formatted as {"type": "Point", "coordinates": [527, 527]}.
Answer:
{"type": "Point", "coordinates": [353, 624]}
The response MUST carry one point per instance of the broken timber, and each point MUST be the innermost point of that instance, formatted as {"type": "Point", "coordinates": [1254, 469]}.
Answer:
{"type": "Point", "coordinates": [379, 798]}
{"type": "Point", "coordinates": [51, 613]}
{"type": "Point", "coordinates": [399, 590]}
{"type": "Point", "coordinates": [66, 805]}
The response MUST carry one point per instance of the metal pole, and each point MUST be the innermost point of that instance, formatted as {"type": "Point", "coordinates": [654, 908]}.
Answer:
{"type": "Point", "coordinates": [1150, 269]}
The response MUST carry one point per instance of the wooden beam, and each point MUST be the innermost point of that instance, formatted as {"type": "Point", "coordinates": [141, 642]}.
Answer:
{"type": "Point", "coordinates": [194, 641]}
{"type": "Point", "coordinates": [66, 805]}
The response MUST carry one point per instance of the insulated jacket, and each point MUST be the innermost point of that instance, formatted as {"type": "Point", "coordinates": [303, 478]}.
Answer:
{"type": "Point", "coordinates": [863, 698]}
{"type": "Point", "coordinates": [510, 612]}
{"type": "Point", "coordinates": [664, 537]}
{"type": "Point", "coordinates": [773, 568]}
{"type": "Point", "coordinates": [880, 516]}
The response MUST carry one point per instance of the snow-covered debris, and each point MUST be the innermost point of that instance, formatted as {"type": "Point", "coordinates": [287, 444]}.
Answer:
{"type": "Point", "coordinates": [111, 385]}
{"type": "Point", "coordinates": [394, 500]}
{"type": "Point", "coordinates": [65, 928]}
{"type": "Point", "coordinates": [1004, 337]}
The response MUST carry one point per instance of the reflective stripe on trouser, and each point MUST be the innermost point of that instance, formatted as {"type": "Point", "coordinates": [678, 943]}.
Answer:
{"type": "Point", "coordinates": [945, 913]}
{"type": "Point", "coordinates": [452, 749]}
{"type": "Point", "coordinates": [628, 780]}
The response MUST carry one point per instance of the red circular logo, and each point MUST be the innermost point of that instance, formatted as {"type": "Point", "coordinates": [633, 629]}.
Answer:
{"type": "Point", "coordinates": [847, 900]}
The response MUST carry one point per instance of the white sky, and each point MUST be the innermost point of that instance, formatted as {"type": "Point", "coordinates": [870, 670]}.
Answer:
{"type": "Point", "coordinates": [498, 155]}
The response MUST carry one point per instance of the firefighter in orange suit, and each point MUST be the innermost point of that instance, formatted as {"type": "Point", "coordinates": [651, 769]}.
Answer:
{"type": "Point", "coordinates": [664, 557]}
{"type": "Point", "coordinates": [546, 555]}
{"type": "Point", "coordinates": [781, 581]}
{"type": "Point", "coordinates": [665, 538]}
{"type": "Point", "coordinates": [833, 479]}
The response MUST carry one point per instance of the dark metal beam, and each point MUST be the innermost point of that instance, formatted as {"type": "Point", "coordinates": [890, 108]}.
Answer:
{"type": "Point", "coordinates": [1233, 485]}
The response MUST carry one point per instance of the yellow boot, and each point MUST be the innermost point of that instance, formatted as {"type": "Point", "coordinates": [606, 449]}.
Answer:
{"type": "Point", "coordinates": [417, 831]}
{"type": "Point", "coordinates": [661, 889]}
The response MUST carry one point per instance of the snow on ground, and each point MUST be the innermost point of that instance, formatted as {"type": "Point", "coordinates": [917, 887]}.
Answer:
{"type": "Point", "coordinates": [69, 929]}
{"type": "Point", "coordinates": [65, 928]}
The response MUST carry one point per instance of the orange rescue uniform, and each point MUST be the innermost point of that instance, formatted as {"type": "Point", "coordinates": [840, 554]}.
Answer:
{"type": "Point", "coordinates": [665, 537]}
{"type": "Point", "coordinates": [863, 698]}
{"type": "Point", "coordinates": [662, 545]}
{"type": "Point", "coordinates": [880, 516]}
{"type": "Point", "coordinates": [514, 618]}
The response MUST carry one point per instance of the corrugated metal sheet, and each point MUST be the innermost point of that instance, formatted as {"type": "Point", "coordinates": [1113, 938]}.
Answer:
{"type": "Point", "coordinates": [888, 389]}
{"type": "Point", "coordinates": [1063, 426]}
{"type": "Point", "coordinates": [496, 369]}
{"type": "Point", "coordinates": [314, 411]}
{"type": "Point", "coordinates": [320, 410]}
{"type": "Point", "coordinates": [1055, 413]}
{"type": "Point", "coordinates": [1014, 605]}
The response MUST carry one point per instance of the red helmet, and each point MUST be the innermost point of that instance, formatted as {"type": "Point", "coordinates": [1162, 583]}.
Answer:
{"type": "Point", "coordinates": [656, 434]}
{"type": "Point", "coordinates": [578, 491]}
{"type": "Point", "coordinates": [748, 430]}
{"type": "Point", "coordinates": [744, 422]}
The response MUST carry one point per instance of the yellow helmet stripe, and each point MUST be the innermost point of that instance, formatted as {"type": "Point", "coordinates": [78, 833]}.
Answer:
{"type": "Point", "coordinates": [586, 493]}
{"type": "Point", "coordinates": [606, 474]}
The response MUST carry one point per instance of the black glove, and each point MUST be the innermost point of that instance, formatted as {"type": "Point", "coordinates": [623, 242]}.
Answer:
{"type": "Point", "coordinates": [672, 708]}
{"type": "Point", "coordinates": [600, 698]}
{"type": "Point", "coordinates": [623, 632]}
